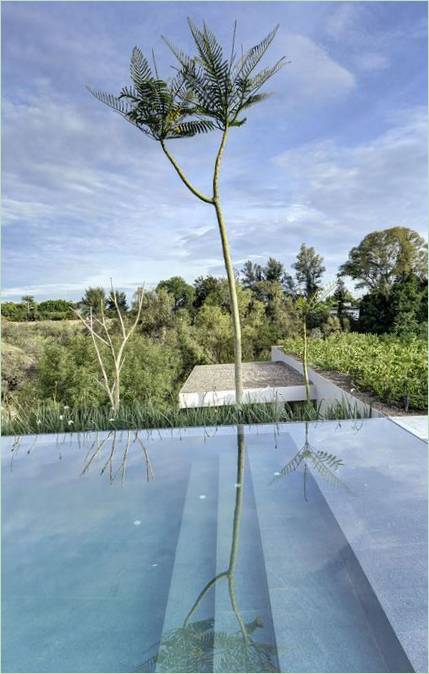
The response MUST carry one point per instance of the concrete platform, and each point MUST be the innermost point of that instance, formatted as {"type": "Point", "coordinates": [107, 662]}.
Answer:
{"type": "Point", "coordinates": [417, 425]}
{"type": "Point", "coordinates": [263, 382]}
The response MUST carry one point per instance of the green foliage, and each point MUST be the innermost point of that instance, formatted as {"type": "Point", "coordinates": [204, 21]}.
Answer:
{"type": "Point", "coordinates": [209, 90]}
{"type": "Point", "coordinates": [118, 298]}
{"type": "Point", "coordinates": [392, 368]}
{"type": "Point", "coordinates": [386, 256]}
{"type": "Point", "coordinates": [94, 300]}
{"type": "Point", "coordinates": [215, 325]}
{"type": "Point", "coordinates": [259, 279]}
{"type": "Point", "coordinates": [401, 312]}
{"type": "Point", "coordinates": [196, 646]}
{"type": "Point", "coordinates": [206, 286]}
{"type": "Point", "coordinates": [14, 311]}
{"type": "Point", "coordinates": [54, 310]}
{"type": "Point", "coordinates": [157, 312]}
{"type": "Point", "coordinates": [222, 86]}
{"type": "Point", "coordinates": [182, 292]}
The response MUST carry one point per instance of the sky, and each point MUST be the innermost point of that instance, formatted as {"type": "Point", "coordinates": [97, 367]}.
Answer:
{"type": "Point", "coordinates": [338, 150]}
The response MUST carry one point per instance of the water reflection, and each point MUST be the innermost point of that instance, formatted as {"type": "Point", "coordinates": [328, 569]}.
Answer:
{"type": "Point", "coordinates": [204, 645]}
{"type": "Point", "coordinates": [196, 645]}
{"type": "Point", "coordinates": [133, 437]}
{"type": "Point", "coordinates": [325, 463]}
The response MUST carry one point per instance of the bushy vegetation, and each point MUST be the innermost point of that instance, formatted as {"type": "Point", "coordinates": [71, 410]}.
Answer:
{"type": "Point", "coordinates": [392, 368]}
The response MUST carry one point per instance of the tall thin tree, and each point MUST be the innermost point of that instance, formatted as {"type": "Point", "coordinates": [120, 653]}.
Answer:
{"type": "Point", "coordinates": [210, 91]}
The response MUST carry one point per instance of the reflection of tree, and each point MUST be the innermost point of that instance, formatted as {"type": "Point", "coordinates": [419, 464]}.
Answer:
{"type": "Point", "coordinates": [97, 447]}
{"type": "Point", "coordinates": [196, 646]}
{"type": "Point", "coordinates": [16, 445]}
{"type": "Point", "coordinates": [323, 462]}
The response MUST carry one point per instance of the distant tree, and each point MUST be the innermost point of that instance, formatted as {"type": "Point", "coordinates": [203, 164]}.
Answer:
{"type": "Point", "coordinates": [309, 270]}
{"type": "Point", "coordinates": [157, 312]}
{"type": "Point", "coordinates": [341, 298]}
{"type": "Point", "coordinates": [205, 286]}
{"type": "Point", "coordinates": [403, 312]}
{"type": "Point", "coordinates": [210, 91]}
{"type": "Point", "coordinates": [408, 299]}
{"type": "Point", "coordinates": [214, 333]}
{"type": "Point", "coordinates": [274, 271]}
{"type": "Point", "coordinates": [375, 313]}
{"type": "Point", "coordinates": [30, 305]}
{"type": "Point", "coordinates": [117, 298]}
{"type": "Point", "coordinates": [182, 292]}
{"type": "Point", "coordinates": [386, 256]}
{"type": "Point", "coordinates": [110, 348]}
{"type": "Point", "coordinates": [251, 273]}
{"type": "Point", "coordinates": [94, 299]}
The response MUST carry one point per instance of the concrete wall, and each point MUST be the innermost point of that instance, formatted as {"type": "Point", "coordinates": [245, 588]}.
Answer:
{"type": "Point", "coordinates": [269, 394]}
{"type": "Point", "coordinates": [325, 392]}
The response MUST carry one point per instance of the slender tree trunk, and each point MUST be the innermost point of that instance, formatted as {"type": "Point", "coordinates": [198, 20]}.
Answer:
{"type": "Point", "coordinates": [236, 326]}
{"type": "Point", "coordinates": [215, 201]}
{"type": "Point", "coordinates": [305, 364]}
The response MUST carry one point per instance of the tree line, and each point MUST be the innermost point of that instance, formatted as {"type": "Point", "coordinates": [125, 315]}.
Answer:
{"type": "Point", "coordinates": [391, 265]}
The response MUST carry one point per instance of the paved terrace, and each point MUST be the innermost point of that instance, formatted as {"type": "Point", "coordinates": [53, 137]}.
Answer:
{"type": "Point", "coordinates": [262, 382]}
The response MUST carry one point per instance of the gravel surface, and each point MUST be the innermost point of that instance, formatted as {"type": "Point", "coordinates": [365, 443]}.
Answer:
{"type": "Point", "coordinates": [255, 375]}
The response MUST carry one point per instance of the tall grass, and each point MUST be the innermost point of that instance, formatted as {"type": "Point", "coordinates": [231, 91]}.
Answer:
{"type": "Point", "coordinates": [52, 417]}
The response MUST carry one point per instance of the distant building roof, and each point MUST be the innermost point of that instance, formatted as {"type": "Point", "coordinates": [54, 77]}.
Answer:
{"type": "Point", "coordinates": [205, 378]}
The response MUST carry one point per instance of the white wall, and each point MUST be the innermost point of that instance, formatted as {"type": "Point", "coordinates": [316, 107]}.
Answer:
{"type": "Point", "coordinates": [325, 391]}
{"type": "Point", "coordinates": [269, 394]}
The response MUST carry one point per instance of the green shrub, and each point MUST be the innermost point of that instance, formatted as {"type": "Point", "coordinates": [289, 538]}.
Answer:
{"type": "Point", "coordinates": [394, 369]}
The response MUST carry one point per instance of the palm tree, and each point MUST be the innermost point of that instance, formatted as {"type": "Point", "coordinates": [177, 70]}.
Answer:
{"type": "Point", "coordinates": [210, 91]}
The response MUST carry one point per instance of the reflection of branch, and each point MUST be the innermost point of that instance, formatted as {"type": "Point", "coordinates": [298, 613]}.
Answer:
{"type": "Point", "coordinates": [14, 450]}
{"type": "Point", "coordinates": [109, 462]}
{"type": "Point", "coordinates": [97, 451]}
{"type": "Point", "coordinates": [149, 470]}
{"type": "Point", "coordinates": [324, 462]}
{"type": "Point", "coordinates": [202, 595]}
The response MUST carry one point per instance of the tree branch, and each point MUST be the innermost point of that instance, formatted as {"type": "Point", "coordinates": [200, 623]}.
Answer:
{"type": "Point", "coordinates": [197, 193]}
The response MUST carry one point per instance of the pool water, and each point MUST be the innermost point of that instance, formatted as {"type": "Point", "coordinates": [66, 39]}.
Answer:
{"type": "Point", "coordinates": [197, 551]}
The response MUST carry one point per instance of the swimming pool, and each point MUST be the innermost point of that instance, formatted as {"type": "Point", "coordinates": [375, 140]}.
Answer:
{"type": "Point", "coordinates": [297, 547]}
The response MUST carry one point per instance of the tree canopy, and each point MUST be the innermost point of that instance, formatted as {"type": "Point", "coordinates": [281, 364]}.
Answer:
{"type": "Point", "coordinates": [386, 256]}
{"type": "Point", "coordinates": [182, 292]}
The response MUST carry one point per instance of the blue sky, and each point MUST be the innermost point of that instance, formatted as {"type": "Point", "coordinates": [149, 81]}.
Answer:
{"type": "Point", "coordinates": [338, 151]}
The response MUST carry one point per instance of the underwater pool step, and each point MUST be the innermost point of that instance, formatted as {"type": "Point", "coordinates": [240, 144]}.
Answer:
{"type": "Point", "coordinates": [194, 563]}
{"type": "Point", "coordinates": [387, 534]}
{"type": "Point", "coordinates": [242, 606]}
{"type": "Point", "coordinates": [319, 622]}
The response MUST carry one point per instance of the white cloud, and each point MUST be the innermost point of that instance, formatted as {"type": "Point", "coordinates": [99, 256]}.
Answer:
{"type": "Point", "coordinates": [372, 185]}
{"type": "Point", "coordinates": [327, 195]}
{"type": "Point", "coordinates": [313, 73]}
{"type": "Point", "coordinates": [343, 18]}
{"type": "Point", "coordinates": [371, 61]}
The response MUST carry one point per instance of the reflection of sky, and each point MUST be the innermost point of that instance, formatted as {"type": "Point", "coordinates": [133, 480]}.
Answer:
{"type": "Point", "coordinates": [340, 150]}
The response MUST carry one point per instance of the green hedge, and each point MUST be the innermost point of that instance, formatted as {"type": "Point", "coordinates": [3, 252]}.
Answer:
{"type": "Point", "coordinates": [394, 369]}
